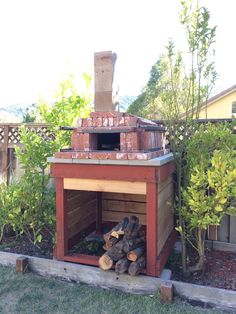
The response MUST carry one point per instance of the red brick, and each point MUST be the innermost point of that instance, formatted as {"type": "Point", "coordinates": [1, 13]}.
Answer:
{"type": "Point", "coordinates": [99, 122]}
{"type": "Point", "coordinates": [84, 141]}
{"type": "Point", "coordinates": [131, 120]}
{"type": "Point", "coordinates": [110, 121]}
{"type": "Point", "coordinates": [116, 121]}
{"type": "Point", "coordinates": [75, 140]}
{"type": "Point", "coordinates": [99, 155]}
{"type": "Point", "coordinates": [166, 292]}
{"type": "Point", "coordinates": [89, 122]}
{"type": "Point", "coordinates": [80, 155]}
{"type": "Point", "coordinates": [139, 156]}
{"type": "Point", "coordinates": [118, 155]}
{"type": "Point", "coordinates": [121, 156]}
{"type": "Point", "coordinates": [102, 114]}
{"type": "Point", "coordinates": [105, 121]}
{"type": "Point", "coordinates": [21, 264]}
{"type": "Point", "coordinates": [123, 142]}
{"type": "Point", "coordinates": [95, 122]}
{"type": "Point", "coordinates": [121, 121]}
{"type": "Point", "coordinates": [63, 155]}
{"type": "Point", "coordinates": [132, 141]}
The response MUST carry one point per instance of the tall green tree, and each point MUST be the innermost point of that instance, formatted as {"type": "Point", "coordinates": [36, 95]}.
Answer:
{"type": "Point", "coordinates": [140, 105]}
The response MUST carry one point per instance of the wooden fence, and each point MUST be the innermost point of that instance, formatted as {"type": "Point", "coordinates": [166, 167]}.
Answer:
{"type": "Point", "coordinates": [9, 138]}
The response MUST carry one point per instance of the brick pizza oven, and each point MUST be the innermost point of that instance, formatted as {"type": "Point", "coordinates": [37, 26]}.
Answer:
{"type": "Point", "coordinates": [117, 166]}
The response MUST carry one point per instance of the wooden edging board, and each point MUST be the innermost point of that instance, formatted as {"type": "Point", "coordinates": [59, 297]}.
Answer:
{"type": "Point", "coordinates": [204, 295]}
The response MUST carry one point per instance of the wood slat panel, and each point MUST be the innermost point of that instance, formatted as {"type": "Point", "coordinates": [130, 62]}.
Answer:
{"type": "Point", "coordinates": [163, 184]}
{"type": "Point", "coordinates": [165, 224]}
{"type": "Point", "coordinates": [232, 235]}
{"type": "Point", "coordinates": [124, 206]}
{"type": "Point", "coordinates": [223, 230]}
{"type": "Point", "coordinates": [124, 197]}
{"type": "Point", "coordinates": [118, 216]}
{"type": "Point", "coordinates": [105, 185]}
{"type": "Point", "coordinates": [82, 224]}
{"type": "Point", "coordinates": [78, 213]}
{"type": "Point", "coordinates": [81, 199]}
{"type": "Point", "coordinates": [165, 194]}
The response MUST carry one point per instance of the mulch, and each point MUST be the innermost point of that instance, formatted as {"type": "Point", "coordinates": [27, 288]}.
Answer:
{"type": "Point", "coordinates": [219, 272]}
{"type": "Point", "coordinates": [22, 245]}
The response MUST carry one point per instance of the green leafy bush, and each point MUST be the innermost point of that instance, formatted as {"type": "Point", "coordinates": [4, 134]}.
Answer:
{"type": "Point", "coordinates": [211, 190]}
{"type": "Point", "coordinates": [28, 206]}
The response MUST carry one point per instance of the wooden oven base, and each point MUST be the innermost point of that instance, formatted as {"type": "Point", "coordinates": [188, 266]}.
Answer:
{"type": "Point", "coordinates": [146, 180]}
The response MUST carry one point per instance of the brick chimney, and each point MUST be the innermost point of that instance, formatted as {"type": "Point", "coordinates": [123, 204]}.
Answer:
{"type": "Point", "coordinates": [104, 66]}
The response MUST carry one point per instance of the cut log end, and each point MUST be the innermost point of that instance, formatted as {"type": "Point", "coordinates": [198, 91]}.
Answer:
{"type": "Point", "coordinates": [105, 262]}
{"type": "Point", "coordinates": [136, 253]}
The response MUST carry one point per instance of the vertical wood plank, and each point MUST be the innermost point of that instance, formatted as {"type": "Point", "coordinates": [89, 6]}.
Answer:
{"type": "Point", "coordinates": [151, 228]}
{"type": "Point", "coordinates": [5, 154]}
{"type": "Point", "coordinates": [232, 233]}
{"type": "Point", "coordinates": [99, 213]}
{"type": "Point", "coordinates": [223, 230]}
{"type": "Point", "coordinates": [212, 232]}
{"type": "Point", "coordinates": [61, 218]}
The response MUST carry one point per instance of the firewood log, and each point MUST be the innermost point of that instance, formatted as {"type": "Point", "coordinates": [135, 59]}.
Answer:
{"type": "Point", "coordinates": [136, 253]}
{"type": "Point", "coordinates": [136, 267]}
{"type": "Point", "coordinates": [105, 262]}
{"type": "Point", "coordinates": [129, 245]}
{"type": "Point", "coordinates": [133, 228]}
{"type": "Point", "coordinates": [116, 252]}
{"type": "Point", "coordinates": [122, 266]}
{"type": "Point", "coordinates": [117, 230]}
{"type": "Point", "coordinates": [108, 244]}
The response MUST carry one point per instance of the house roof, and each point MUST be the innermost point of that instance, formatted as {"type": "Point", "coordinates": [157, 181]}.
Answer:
{"type": "Point", "coordinates": [215, 98]}
{"type": "Point", "coordinates": [222, 94]}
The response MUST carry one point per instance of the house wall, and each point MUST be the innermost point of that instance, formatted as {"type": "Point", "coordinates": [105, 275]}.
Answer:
{"type": "Point", "coordinates": [219, 109]}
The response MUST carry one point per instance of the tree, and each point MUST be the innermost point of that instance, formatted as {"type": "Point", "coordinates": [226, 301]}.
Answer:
{"type": "Point", "coordinates": [140, 105]}
{"type": "Point", "coordinates": [184, 85]}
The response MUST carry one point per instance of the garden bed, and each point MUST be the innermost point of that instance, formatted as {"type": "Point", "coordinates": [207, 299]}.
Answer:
{"type": "Point", "coordinates": [219, 272]}
{"type": "Point", "coordinates": [21, 244]}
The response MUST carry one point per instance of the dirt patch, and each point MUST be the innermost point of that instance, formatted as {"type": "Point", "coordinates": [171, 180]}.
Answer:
{"type": "Point", "coordinates": [219, 272]}
{"type": "Point", "coordinates": [22, 245]}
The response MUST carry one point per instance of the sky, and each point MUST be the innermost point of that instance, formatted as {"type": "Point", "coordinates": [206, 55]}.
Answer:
{"type": "Point", "coordinates": [43, 41]}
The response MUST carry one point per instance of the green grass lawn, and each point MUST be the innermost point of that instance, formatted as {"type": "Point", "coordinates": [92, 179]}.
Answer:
{"type": "Point", "coordinates": [30, 293]}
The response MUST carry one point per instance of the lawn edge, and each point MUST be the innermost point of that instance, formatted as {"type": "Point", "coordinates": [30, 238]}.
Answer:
{"type": "Point", "coordinates": [200, 295]}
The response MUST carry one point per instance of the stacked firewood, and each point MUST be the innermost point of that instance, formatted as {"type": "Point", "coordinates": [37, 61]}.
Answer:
{"type": "Point", "coordinates": [125, 247]}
